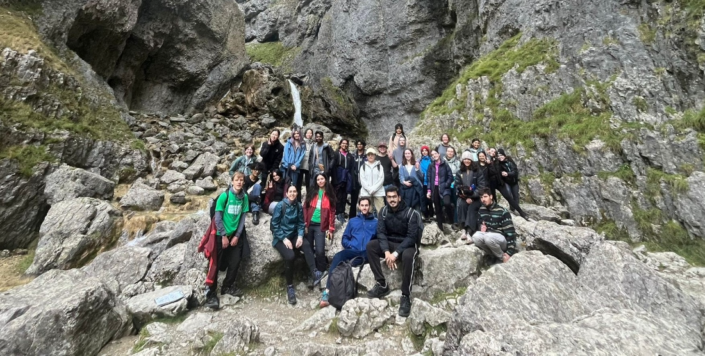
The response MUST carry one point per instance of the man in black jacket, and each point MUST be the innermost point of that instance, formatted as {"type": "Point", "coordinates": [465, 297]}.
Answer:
{"type": "Point", "coordinates": [397, 238]}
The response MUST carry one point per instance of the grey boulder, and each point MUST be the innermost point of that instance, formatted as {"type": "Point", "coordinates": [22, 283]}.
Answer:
{"type": "Point", "coordinates": [361, 317]}
{"type": "Point", "coordinates": [423, 314]}
{"type": "Point", "coordinates": [167, 265]}
{"type": "Point", "coordinates": [120, 268]}
{"type": "Point", "coordinates": [68, 183]}
{"type": "Point", "coordinates": [142, 197]}
{"type": "Point", "coordinates": [144, 308]}
{"type": "Point", "coordinates": [204, 166]}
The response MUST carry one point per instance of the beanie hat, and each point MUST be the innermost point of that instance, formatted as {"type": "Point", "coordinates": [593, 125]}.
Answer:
{"type": "Point", "coordinates": [466, 155]}
{"type": "Point", "coordinates": [425, 148]}
{"type": "Point", "coordinates": [501, 152]}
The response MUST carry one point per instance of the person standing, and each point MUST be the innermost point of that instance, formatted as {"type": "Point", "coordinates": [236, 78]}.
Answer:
{"type": "Point", "coordinates": [454, 165]}
{"type": "Point", "coordinates": [439, 181]}
{"type": "Point", "coordinates": [242, 163]}
{"type": "Point", "coordinates": [342, 178]}
{"type": "Point", "coordinates": [319, 215]}
{"type": "Point", "coordinates": [294, 152]}
{"type": "Point", "coordinates": [510, 177]}
{"type": "Point", "coordinates": [397, 238]}
{"type": "Point", "coordinates": [424, 162]}
{"type": "Point", "coordinates": [397, 157]}
{"type": "Point", "coordinates": [305, 174]}
{"type": "Point", "coordinates": [469, 182]}
{"type": "Point", "coordinates": [411, 181]}
{"type": "Point", "coordinates": [497, 237]}
{"type": "Point", "coordinates": [271, 151]}
{"type": "Point", "coordinates": [474, 148]}
{"type": "Point", "coordinates": [396, 136]}
{"type": "Point", "coordinates": [372, 180]}
{"type": "Point", "coordinates": [386, 162]}
{"type": "Point", "coordinates": [358, 233]}
{"type": "Point", "coordinates": [231, 239]}
{"type": "Point", "coordinates": [445, 143]}
{"type": "Point", "coordinates": [359, 157]}
{"type": "Point", "coordinates": [321, 158]}
{"type": "Point", "coordinates": [287, 228]}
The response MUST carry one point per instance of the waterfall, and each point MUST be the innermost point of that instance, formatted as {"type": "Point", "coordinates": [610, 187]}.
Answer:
{"type": "Point", "coordinates": [297, 104]}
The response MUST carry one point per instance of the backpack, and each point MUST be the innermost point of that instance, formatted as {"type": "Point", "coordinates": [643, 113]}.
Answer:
{"type": "Point", "coordinates": [343, 284]}
{"type": "Point", "coordinates": [413, 214]}
{"type": "Point", "coordinates": [214, 202]}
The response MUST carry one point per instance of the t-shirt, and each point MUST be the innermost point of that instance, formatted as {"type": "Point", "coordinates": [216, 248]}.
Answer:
{"type": "Point", "coordinates": [317, 213]}
{"type": "Point", "coordinates": [233, 212]}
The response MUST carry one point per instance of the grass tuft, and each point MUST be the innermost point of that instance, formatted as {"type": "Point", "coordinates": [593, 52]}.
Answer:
{"type": "Point", "coordinates": [624, 173]}
{"type": "Point", "coordinates": [273, 53]}
{"type": "Point", "coordinates": [215, 337]}
{"type": "Point", "coordinates": [27, 157]}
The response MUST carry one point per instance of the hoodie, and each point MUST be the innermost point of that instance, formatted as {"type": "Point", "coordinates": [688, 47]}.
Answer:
{"type": "Point", "coordinates": [360, 230]}
{"type": "Point", "coordinates": [293, 156]}
{"type": "Point", "coordinates": [424, 162]}
{"type": "Point", "coordinates": [372, 179]}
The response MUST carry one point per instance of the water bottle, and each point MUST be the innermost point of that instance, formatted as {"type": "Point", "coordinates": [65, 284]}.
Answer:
{"type": "Point", "coordinates": [472, 187]}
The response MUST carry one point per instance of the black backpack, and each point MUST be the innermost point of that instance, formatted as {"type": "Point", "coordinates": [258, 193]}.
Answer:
{"type": "Point", "coordinates": [214, 202]}
{"type": "Point", "coordinates": [343, 284]}
{"type": "Point", "coordinates": [413, 214]}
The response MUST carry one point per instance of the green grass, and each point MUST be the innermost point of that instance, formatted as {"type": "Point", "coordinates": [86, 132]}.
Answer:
{"type": "Point", "coordinates": [333, 328]}
{"type": "Point", "coordinates": [27, 157]}
{"type": "Point", "coordinates": [495, 64]}
{"type": "Point", "coordinates": [674, 237]}
{"type": "Point", "coordinates": [624, 173]}
{"type": "Point", "coordinates": [18, 32]}
{"type": "Point", "coordinates": [215, 337]}
{"type": "Point", "coordinates": [612, 231]}
{"type": "Point", "coordinates": [654, 177]}
{"type": "Point", "coordinates": [141, 342]}
{"type": "Point", "coordinates": [640, 103]}
{"type": "Point", "coordinates": [273, 53]}
{"type": "Point", "coordinates": [647, 34]}
{"type": "Point", "coordinates": [138, 145]}
{"type": "Point", "coordinates": [274, 286]}
{"type": "Point", "coordinates": [547, 179]}
{"type": "Point", "coordinates": [440, 297]}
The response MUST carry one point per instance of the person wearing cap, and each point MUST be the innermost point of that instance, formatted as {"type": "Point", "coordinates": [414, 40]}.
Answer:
{"type": "Point", "coordinates": [386, 162]}
{"type": "Point", "coordinates": [372, 179]}
{"type": "Point", "coordinates": [424, 162]}
{"type": "Point", "coordinates": [253, 188]}
{"type": "Point", "coordinates": [510, 177]}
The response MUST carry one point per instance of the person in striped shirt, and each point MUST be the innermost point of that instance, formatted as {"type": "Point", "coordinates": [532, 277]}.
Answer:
{"type": "Point", "coordinates": [496, 236]}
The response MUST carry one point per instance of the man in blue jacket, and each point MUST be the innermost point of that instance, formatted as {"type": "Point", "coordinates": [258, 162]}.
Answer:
{"type": "Point", "coordinates": [360, 230]}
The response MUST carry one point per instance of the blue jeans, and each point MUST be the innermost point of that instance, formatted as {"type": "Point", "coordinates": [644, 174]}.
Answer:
{"type": "Point", "coordinates": [293, 176]}
{"type": "Point", "coordinates": [254, 197]}
{"type": "Point", "coordinates": [346, 255]}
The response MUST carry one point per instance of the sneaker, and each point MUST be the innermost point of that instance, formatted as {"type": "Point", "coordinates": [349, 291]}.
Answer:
{"type": "Point", "coordinates": [324, 300]}
{"type": "Point", "coordinates": [378, 291]}
{"type": "Point", "coordinates": [232, 290]}
{"type": "Point", "coordinates": [255, 218]}
{"type": "Point", "coordinates": [212, 301]}
{"type": "Point", "coordinates": [404, 306]}
{"type": "Point", "coordinates": [457, 227]}
{"type": "Point", "coordinates": [317, 275]}
{"type": "Point", "coordinates": [291, 295]}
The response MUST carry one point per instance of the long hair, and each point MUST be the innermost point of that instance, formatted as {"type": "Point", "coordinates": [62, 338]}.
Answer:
{"type": "Point", "coordinates": [394, 134]}
{"type": "Point", "coordinates": [472, 167]}
{"type": "Point", "coordinates": [312, 191]}
{"type": "Point", "coordinates": [404, 162]}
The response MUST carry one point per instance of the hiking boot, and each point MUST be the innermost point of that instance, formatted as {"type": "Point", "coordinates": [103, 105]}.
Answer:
{"type": "Point", "coordinates": [291, 295]}
{"type": "Point", "coordinates": [404, 306]}
{"type": "Point", "coordinates": [324, 300]}
{"type": "Point", "coordinates": [232, 290]}
{"type": "Point", "coordinates": [255, 217]}
{"type": "Point", "coordinates": [457, 227]}
{"type": "Point", "coordinates": [378, 291]}
{"type": "Point", "coordinates": [317, 275]}
{"type": "Point", "coordinates": [212, 301]}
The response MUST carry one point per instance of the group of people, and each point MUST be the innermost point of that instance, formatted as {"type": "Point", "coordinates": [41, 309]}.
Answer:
{"type": "Point", "coordinates": [391, 195]}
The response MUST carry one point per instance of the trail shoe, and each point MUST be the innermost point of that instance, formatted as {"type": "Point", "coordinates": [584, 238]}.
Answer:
{"type": "Point", "coordinates": [211, 299]}
{"type": "Point", "coordinates": [291, 295]}
{"type": "Point", "coordinates": [324, 300]}
{"type": "Point", "coordinates": [378, 291]}
{"type": "Point", "coordinates": [404, 306]}
{"type": "Point", "coordinates": [317, 275]}
{"type": "Point", "coordinates": [255, 217]}
{"type": "Point", "coordinates": [232, 290]}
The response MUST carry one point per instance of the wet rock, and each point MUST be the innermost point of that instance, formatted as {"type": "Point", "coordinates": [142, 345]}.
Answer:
{"type": "Point", "coordinates": [61, 312]}
{"type": "Point", "coordinates": [361, 317]}
{"type": "Point", "coordinates": [73, 232]}
{"type": "Point", "coordinates": [121, 267]}
{"type": "Point", "coordinates": [143, 307]}
{"type": "Point", "coordinates": [142, 197]}
{"type": "Point", "coordinates": [68, 183]}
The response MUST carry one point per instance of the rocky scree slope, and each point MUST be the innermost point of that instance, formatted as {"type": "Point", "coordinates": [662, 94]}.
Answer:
{"type": "Point", "coordinates": [600, 104]}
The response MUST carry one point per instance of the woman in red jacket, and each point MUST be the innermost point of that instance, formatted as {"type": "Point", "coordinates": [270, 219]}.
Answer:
{"type": "Point", "coordinates": [319, 217]}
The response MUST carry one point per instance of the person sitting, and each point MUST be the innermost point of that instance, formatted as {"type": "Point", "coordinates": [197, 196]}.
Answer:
{"type": "Point", "coordinates": [287, 228]}
{"type": "Point", "coordinates": [275, 191]}
{"type": "Point", "coordinates": [243, 163]}
{"type": "Point", "coordinates": [319, 216]}
{"type": "Point", "coordinates": [253, 187]}
{"type": "Point", "coordinates": [496, 237]}
{"type": "Point", "coordinates": [397, 238]}
{"type": "Point", "coordinates": [360, 230]}
{"type": "Point", "coordinates": [469, 181]}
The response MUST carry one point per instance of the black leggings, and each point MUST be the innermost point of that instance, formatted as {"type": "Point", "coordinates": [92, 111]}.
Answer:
{"type": "Point", "coordinates": [341, 196]}
{"type": "Point", "coordinates": [426, 204]}
{"type": "Point", "coordinates": [289, 255]}
{"type": "Point", "coordinates": [511, 194]}
{"type": "Point", "coordinates": [449, 215]}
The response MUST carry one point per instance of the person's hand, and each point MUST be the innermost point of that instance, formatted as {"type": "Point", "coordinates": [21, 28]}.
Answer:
{"type": "Point", "coordinates": [390, 260]}
{"type": "Point", "coordinates": [299, 242]}
{"type": "Point", "coordinates": [483, 228]}
{"type": "Point", "coordinates": [225, 242]}
{"type": "Point", "coordinates": [270, 184]}
{"type": "Point", "coordinates": [505, 257]}
{"type": "Point", "coordinates": [504, 174]}
{"type": "Point", "coordinates": [407, 183]}
{"type": "Point", "coordinates": [293, 167]}
{"type": "Point", "coordinates": [468, 200]}
{"type": "Point", "coordinates": [329, 235]}
{"type": "Point", "coordinates": [306, 230]}
{"type": "Point", "coordinates": [287, 243]}
{"type": "Point", "coordinates": [320, 166]}
{"type": "Point", "coordinates": [489, 160]}
{"type": "Point", "coordinates": [428, 195]}
{"type": "Point", "coordinates": [234, 241]}
{"type": "Point", "coordinates": [417, 165]}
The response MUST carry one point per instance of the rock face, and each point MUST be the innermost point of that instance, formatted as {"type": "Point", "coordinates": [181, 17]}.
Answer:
{"type": "Point", "coordinates": [22, 204]}
{"type": "Point", "coordinates": [144, 308]}
{"type": "Point", "coordinates": [191, 58]}
{"type": "Point", "coordinates": [61, 312]}
{"type": "Point", "coordinates": [68, 183]}
{"type": "Point", "coordinates": [142, 197]}
{"type": "Point", "coordinates": [120, 268]}
{"type": "Point", "coordinates": [73, 232]}
{"type": "Point", "coordinates": [360, 317]}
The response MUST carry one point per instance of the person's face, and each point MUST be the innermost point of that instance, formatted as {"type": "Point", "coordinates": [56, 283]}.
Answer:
{"type": "Point", "coordinates": [321, 181]}
{"type": "Point", "coordinates": [398, 130]}
{"type": "Point", "coordinates": [486, 199]}
{"type": "Point", "coordinates": [255, 171]}
{"type": "Point", "coordinates": [297, 135]}
{"type": "Point", "coordinates": [238, 181]}
{"type": "Point", "coordinates": [364, 207]}
{"type": "Point", "coordinates": [435, 155]}
{"type": "Point", "coordinates": [481, 157]}
{"type": "Point", "coordinates": [276, 177]}
{"type": "Point", "coordinates": [291, 193]}
{"type": "Point", "coordinates": [371, 157]}
{"type": "Point", "coordinates": [344, 145]}
{"type": "Point", "coordinates": [492, 152]}
{"type": "Point", "coordinates": [319, 138]}
{"type": "Point", "coordinates": [450, 153]}
{"type": "Point", "coordinates": [407, 155]}
{"type": "Point", "coordinates": [360, 146]}
{"type": "Point", "coordinates": [467, 162]}
{"type": "Point", "coordinates": [445, 139]}
{"type": "Point", "coordinates": [393, 199]}
{"type": "Point", "coordinates": [476, 144]}
{"type": "Point", "coordinates": [402, 142]}
{"type": "Point", "coordinates": [274, 136]}
{"type": "Point", "coordinates": [309, 134]}
{"type": "Point", "coordinates": [382, 150]}
{"type": "Point", "coordinates": [501, 158]}
{"type": "Point", "coordinates": [424, 152]}
{"type": "Point", "coordinates": [248, 151]}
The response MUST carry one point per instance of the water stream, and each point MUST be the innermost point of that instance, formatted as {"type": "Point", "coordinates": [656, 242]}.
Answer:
{"type": "Point", "coordinates": [296, 97]}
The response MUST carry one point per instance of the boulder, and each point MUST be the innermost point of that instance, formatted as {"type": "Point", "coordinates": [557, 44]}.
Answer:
{"type": "Point", "coordinates": [318, 321]}
{"type": "Point", "coordinates": [361, 317]}
{"type": "Point", "coordinates": [61, 313]}
{"type": "Point", "coordinates": [569, 244]}
{"type": "Point", "coordinates": [22, 204]}
{"type": "Point", "coordinates": [121, 267]}
{"type": "Point", "coordinates": [423, 314]}
{"type": "Point", "coordinates": [178, 198]}
{"type": "Point", "coordinates": [676, 270]}
{"type": "Point", "coordinates": [367, 278]}
{"type": "Point", "coordinates": [67, 183]}
{"type": "Point", "coordinates": [142, 197]}
{"type": "Point", "coordinates": [167, 265]}
{"type": "Point", "coordinates": [237, 335]}
{"type": "Point", "coordinates": [203, 166]}
{"type": "Point", "coordinates": [73, 232]}
{"type": "Point", "coordinates": [444, 270]}
{"type": "Point", "coordinates": [432, 235]}
{"type": "Point", "coordinates": [195, 190]}
{"type": "Point", "coordinates": [266, 261]}
{"type": "Point", "coordinates": [166, 234]}
{"type": "Point", "coordinates": [143, 307]}
{"type": "Point", "coordinates": [690, 206]}
{"type": "Point", "coordinates": [171, 176]}
{"type": "Point", "coordinates": [207, 183]}
{"type": "Point", "coordinates": [540, 213]}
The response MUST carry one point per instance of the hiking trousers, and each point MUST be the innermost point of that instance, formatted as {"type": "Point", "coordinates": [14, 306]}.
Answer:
{"type": "Point", "coordinates": [441, 203]}
{"type": "Point", "coordinates": [508, 192]}
{"type": "Point", "coordinates": [229, 259]}
{"type": "Point", "coordinates": [290, 254]}
{"type": "Point", "coordinates": [317, 240]}
{"type": "Point", "coordinates": [407, 258]}
{"type": "Point", "coordinates": [492, 243]}
{"type": "Point", "coordinates": [468, 214]}
{"type": "Point", "coordinates": [341, 196]}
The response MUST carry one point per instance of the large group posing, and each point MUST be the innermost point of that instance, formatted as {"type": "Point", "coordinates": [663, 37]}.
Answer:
{"type": "Point", "coordinates": [391, 195]}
